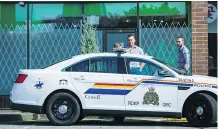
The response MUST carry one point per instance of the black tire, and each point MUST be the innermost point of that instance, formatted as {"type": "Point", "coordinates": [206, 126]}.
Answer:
{"type": "Point", "coordinates": [119, 118]}
{"type": "Point", "coordinates": [70, 116]}
{"type": "Point", "coordinates": [205, 102]}
{"type": "Point", "coordinates": [81, 118]}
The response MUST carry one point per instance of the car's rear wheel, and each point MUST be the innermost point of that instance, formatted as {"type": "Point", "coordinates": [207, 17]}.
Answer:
{"type": "Point", "coordinates": [63, 109]}
{"type": "Point", "coordinates": [119, 119]}
{"type": "Point", "coordinates": [201, 110]}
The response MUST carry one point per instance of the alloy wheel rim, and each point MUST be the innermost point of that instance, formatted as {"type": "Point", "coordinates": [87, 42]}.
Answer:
{"type": "Point", "coordinates": [62, 109]}
{"type": "Point", "coordinates": [199, 111]}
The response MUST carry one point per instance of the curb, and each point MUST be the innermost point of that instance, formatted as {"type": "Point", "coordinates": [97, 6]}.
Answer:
{"type": "Point", "coordinates": [176, 119]}
{"type": "Point", "coordinates": [22, 116]}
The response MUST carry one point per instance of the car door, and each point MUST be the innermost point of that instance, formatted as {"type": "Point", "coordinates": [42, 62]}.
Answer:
{"type": "Point", "coordinates": [149, 91]}
{"type": "Point", "coordinates": [101, 84]}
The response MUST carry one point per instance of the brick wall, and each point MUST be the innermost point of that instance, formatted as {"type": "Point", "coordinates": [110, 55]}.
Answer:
{"type": "Point", "coordinates": [199, 11]}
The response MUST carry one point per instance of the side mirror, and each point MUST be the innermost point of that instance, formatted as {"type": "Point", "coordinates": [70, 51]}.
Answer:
{"type": "Point", "coordinates": [164, 73]}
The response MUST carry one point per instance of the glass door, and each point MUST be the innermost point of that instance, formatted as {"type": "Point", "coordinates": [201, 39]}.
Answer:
{"type": "Point", "coordinates": [113, 36]}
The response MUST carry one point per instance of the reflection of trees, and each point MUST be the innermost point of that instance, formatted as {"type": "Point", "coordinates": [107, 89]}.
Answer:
{"type": "Point", "coordinates": [111, 19]}
{"type": "Point", "coordinates": [131, 11]}
{"type": "Point", "coordinates": [163, 9]}
{"type": "Point", "coordinates": [8, 15]}
{"type": "Point", "coordinates": [72, 9]}
{"type": "Point", "coordinates": [95, 8]}
{"type": "Point", "coordinates": [118, 21]}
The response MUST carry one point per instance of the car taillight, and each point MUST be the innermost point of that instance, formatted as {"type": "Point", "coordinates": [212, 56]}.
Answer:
{"type": "Point", "coordinates": [21, 78]}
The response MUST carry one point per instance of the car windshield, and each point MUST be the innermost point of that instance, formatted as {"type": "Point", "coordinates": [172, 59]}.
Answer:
{"type": "Point", "coordinates": [181, 72]}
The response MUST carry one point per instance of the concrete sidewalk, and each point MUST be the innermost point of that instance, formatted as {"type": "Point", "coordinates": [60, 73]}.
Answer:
{"type": "Point", "coordinates": [14, 115]}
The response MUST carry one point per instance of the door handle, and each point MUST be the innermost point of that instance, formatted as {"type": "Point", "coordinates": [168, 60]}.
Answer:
{"type": "Point", "coordinates": [79, 78]}
{"type": "Point", "coordinates": [132, 80]}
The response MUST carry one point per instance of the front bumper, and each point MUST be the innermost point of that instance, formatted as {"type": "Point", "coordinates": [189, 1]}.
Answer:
{"type": "Point", "coordinates": [27, 108]}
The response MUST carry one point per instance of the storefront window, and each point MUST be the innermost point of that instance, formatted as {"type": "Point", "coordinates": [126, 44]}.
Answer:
{"type": "Point", "coordinates": [20, 14]}
{"type": "Point", "coordinates": [112, 15]}
{"type": "Point", "coordinates": [163, 14]}
{"type": "Point", "coordinates": [13, 48]}
{"type": "Point", "coordinates": [13, 17]}
{"type": "Point", "coordinates": [12, 14]}
{"type": "Point", "coordinates": [53, 13]}
{"type": "Point", "coordinates": [162, 8]}
{"type": "Point", "coordinates": [56, 32]}
{"type": "Point", "coordinates": [106, 9]}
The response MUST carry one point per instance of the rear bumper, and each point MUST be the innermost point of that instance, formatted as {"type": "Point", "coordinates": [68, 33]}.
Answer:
{"type": "Point", "coordinates": [27, 108]}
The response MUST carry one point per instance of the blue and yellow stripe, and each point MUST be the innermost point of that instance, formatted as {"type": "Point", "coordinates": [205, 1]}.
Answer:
{"type": "Point", "coordinates": [124, 89]}
{"type": "Point", "coordinates": [110, 89]}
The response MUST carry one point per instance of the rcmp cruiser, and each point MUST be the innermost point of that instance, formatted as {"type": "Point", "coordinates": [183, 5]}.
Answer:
{"type": "Point", "coordinates": [162, 91]}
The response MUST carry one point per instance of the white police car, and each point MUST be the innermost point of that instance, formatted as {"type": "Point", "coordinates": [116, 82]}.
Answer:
{"type": "Point", "coordinates": [111, 84]}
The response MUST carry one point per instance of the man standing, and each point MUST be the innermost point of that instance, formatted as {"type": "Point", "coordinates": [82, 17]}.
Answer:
{"type": "Point", "coordinates": [134, 49]}
{"type": "Point", "coordinates": [183, 55]}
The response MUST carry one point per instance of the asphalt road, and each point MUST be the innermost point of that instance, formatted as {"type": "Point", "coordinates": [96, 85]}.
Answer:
{"type": "Point", "coordinates": [102, 124]}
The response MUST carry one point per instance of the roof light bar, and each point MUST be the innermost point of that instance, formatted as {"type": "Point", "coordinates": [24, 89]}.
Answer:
{"type": "Point", "coordinates": [120, 50]}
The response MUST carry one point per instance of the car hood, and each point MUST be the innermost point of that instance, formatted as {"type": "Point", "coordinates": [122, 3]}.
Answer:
{"type": "Point", "coordinates": [204, 77]}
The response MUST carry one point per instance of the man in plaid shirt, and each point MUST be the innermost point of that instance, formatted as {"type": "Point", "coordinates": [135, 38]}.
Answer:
{"type": "Point", "coordinates": [134, 49]}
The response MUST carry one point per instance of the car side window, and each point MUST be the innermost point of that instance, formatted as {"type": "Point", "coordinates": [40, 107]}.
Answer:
{"type": "Point", "coordinates": [149, 68]}
{"type": "Point", "coordinates": [79, 67]}
{"type": "Point", "coordinates": [154, 69]}
{"type": "Point", "coordinates": [104, 65]}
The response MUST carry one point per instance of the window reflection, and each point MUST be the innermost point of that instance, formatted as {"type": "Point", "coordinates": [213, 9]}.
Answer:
{"type": "Point", "coordinates": [112, 15]}
{"type": "Point", "coordinates": [12, 14]}
{"type": "Point", "coordinates": [103, 15]}
{"type": "Point", "coordinates": [163, 14]}
{"type": "Point", "coordinates": [64, 16]}
{"type": "Point", "coordinates": [108, 9]}
{"type": "Point", "coordinates": [161, 8]}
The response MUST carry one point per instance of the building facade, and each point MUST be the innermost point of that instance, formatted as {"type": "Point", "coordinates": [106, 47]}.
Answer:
{"type": "Point", "coordinates": [35, 35]}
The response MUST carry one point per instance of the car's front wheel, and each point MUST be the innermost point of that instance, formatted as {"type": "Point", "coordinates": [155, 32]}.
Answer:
{"type": "Point", "coordinates": [63, 109]}
{"type": "Point", "coordinates": [201, 110]}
